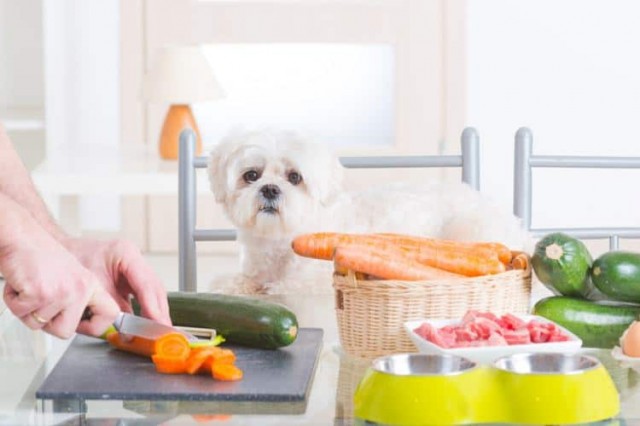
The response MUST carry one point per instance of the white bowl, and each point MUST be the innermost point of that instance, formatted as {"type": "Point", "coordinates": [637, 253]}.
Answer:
{"type": "Point", "coordinates": [488, 354]}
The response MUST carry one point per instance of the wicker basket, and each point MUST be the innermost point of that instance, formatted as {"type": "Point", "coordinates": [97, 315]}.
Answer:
{"type": "Point", "coordinates": [371, 314]}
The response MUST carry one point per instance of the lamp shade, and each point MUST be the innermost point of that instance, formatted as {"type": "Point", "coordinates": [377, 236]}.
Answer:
{"type": "Point", "coordinates": [180, 75]}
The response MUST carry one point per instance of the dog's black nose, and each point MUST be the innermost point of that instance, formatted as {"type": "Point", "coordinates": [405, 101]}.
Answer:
{"type": "Point", "coordinates": [270, 192]}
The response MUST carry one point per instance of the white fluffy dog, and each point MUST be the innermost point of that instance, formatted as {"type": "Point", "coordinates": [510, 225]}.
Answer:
{"type": "Point", "coordinates": [275, 185]}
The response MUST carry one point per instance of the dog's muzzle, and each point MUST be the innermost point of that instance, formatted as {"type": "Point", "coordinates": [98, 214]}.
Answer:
{"type": "Point", "coordinates": [270, 192]}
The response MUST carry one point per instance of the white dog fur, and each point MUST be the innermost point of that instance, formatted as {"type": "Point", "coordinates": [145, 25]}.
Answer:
{"type": "Point", "coordinates": [275, 185]}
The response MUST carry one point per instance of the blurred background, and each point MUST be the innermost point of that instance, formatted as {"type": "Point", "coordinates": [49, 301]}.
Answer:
{"type": "Point", "coordinates": [366, 77]}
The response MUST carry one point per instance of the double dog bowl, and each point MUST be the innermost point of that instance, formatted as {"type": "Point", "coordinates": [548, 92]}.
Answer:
{"type": "Point", "coordinates": [541, 388]}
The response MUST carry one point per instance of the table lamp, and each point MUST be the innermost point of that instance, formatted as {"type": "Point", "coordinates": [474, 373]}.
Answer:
{"type": "Point", "coordinates": [180, 76]}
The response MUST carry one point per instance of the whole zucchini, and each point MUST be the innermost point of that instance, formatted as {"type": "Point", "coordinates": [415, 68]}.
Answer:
{"type": "Point", "coordinates": [562, 264]}
{"type": "Point", "coordinates": [598, 324]}
{"type": "Point", "coordinates": [243, 320]}
{"type": "Point", "coordinates": [617, 274]}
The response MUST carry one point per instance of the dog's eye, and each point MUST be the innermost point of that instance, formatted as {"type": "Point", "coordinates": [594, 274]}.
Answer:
{"type": "Point", "coordinates": [250, 176]}
{"type": "Point", "coordinates": [294, 177]}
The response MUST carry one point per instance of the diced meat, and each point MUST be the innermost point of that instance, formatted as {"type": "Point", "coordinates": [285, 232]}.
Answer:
{"type": "Point", "coordinates": [513, 322]}
{"type": "Point", "coordinates": [517, 337]}
{"type": "Point", "coordinates": [486, 329]}
{"type": "Point", "coordinates": [496, 339]}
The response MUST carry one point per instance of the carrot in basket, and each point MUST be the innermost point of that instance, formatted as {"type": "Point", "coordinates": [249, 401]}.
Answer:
{"type": "Point", "coordinates": [321, 245]}
{"type": "Point", "coordinates": [387, 263]}
{"type": "Point", "coordinates": [469, 259]}
{"type": "Point", "coordinates": [489, 249]}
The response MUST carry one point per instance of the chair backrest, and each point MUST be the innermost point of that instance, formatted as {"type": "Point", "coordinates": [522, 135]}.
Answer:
{"type": "Point", "coordinates": [525, 161]}
{"type": "Point", "coordinates": [468, 160]}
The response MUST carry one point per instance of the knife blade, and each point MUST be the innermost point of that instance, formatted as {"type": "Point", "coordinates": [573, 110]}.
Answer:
{"type": "Point", "coordinates": [134, 325]}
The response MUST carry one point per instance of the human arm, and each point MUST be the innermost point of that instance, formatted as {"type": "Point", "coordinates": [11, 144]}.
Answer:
{"type": "Point", "coordinates": [118, 264]}
{"type": "Point", "coordinates": [16, 184]}
{"type": "Point", "coordinates": [46, 286]}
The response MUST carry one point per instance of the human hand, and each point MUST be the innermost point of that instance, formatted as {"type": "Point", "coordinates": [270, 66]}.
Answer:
{"type": "Point", "coordinates": [122, 271]}
{"type": "Point", "coordinates": [47, 287]}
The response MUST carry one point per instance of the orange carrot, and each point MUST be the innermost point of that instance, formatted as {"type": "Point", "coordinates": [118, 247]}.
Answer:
{"type": "Point", "coordinates": [171, 352]}
{"type": "Point", "coordinates": [226, 372]}
{"type": "Point", "coordinates": [461, 258]}
{"type": "Point", "coordinates": [134, 344]}
{"type": "Point", "coordinates": [172, 345]}
{"type": "Point", "coordinates": [488, 249]}
{"type": "Point", "coordinates": [520, 261]}
{"type": "Point", "coordinates": [197, 358]}
{"type": "Point", "coordinates": [469, 259]}
{"type": "Point", "coordinates": [169, 364]}
{"type": "Point", "coordinates": [387, 262]}
{"type": "Point", "coordinates": [321, 245]}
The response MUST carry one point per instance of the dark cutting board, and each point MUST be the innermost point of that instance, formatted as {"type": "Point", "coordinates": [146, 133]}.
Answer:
{"type": "Point", "coordinates": [91, 370]}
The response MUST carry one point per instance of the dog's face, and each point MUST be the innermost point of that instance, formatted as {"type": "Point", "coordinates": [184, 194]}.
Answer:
{"type": "Point", "coordinates": [272, 183]}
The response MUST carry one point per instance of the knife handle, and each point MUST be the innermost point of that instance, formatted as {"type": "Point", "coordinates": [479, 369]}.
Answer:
{"type": "Point", "coordinates": [87, 314]}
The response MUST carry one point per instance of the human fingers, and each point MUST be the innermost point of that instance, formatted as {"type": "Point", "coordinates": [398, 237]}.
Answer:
{"type": "Point", "coordinates": [147, 287]}
{"type": "Point", "coordinates": [40, 317]}
{"type": "Point", "coordinates": [103, 312]}
{"type": "Point", "coordinates": [20, 303]}
{"type": "Point", "coordinates": [65, 323]}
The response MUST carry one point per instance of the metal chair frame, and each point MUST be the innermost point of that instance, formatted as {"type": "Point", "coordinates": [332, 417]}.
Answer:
{"type": "Point", "coordinates": [525, 161]}
{"type": "Point", "coordinates": [468, 160]}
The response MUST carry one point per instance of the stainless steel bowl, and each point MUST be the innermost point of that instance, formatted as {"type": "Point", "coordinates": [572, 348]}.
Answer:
{"type": "Point", "coordinates": [547, 363]}
{"type": "Point", "coordinates": [423, 365]}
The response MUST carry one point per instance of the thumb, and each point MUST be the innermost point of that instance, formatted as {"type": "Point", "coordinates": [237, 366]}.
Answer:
{"type": "Point", "coordinates": [100, 313]}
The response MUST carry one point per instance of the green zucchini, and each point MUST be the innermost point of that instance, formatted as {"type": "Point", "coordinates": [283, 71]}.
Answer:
{"type": "Point", "coordinates": [617, 274]}
{"type": "Point", "coordinates": [562, 264]}
{"type": "Point", "coordinates": [243, 320]}
{"type": "Point", "coordinates": [598, 324]}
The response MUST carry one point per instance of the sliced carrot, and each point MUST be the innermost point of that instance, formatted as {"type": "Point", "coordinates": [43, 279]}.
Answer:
{"type": "Point", "coordinates": [197, 358]}
{"type": "Point", "coordinates": [169, 365]}
{"type": "Point", "coordinates": [172, 345]}
{"type": "Point", "coordinates": [224, 356]}
{"type": "Point", "coordinates": [226, 372]}
{"type": "Point", "coordinates": [133, 344]}
{"type": "Point", "coordinates": [387, 263]}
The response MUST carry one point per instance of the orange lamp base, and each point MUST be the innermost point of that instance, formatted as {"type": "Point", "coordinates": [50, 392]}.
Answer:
{"type": "Point", "coordinates": [178, 118]}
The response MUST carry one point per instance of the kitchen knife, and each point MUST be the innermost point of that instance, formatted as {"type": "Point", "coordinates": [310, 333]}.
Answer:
{"type": "Point", "coordinates": [134, 325]}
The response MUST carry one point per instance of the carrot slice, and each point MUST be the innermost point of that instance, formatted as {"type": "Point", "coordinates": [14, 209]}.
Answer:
{"type": "Point", "coordinates": [172, 345]}
{"type": "Point", "coordinates": [169, 365]}
{"type": "Point", "coordinates": [224, 356]}
{"type": "Point", "coordinates": [197, 358]}
{"type": "Point", "coordinates": [226, 372]}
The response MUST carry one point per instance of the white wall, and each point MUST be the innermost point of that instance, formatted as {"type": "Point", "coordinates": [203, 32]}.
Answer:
{"type": "Point", "coordinates": [21, 81]}
{"type": "Point", "coordinates": [569, 70]}
{"type": "Point", "coordinates": [82, 106]}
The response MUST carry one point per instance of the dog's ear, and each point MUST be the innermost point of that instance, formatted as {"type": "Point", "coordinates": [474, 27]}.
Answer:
{"type": "Point", "coordinates": [217, 170]}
